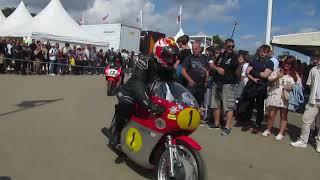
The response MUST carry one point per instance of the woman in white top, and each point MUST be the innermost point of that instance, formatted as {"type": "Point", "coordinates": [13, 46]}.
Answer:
{"type": "Point", "coordinates": [281, 81]}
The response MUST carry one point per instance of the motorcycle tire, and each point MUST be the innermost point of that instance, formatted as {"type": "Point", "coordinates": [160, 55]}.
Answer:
{"type": "Point", "coordinates": [109, 89]}
{"type": "Point", "coordinates": [189, 163]}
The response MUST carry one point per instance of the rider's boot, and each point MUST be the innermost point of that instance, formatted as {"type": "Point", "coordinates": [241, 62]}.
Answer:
{"type": "Point", "coordinates": [114, 139]}
{"type": "Point", "coordinates": [116, 133]}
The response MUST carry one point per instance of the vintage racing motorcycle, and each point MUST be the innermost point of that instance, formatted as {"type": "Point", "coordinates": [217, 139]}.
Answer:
{"type": "Point", "coordinates": [114, 78]}
{"type": "Point", "coordinates": [163, 143]}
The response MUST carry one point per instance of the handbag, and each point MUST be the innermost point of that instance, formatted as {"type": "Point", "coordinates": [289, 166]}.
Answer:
{"type": "Point", "coordinates": [285, 95]}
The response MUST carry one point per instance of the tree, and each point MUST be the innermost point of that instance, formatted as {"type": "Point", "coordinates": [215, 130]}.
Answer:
{"type": "Point", "coordinates": [8, 11]}
{"type": "Point", "coordinates": [218, 41]}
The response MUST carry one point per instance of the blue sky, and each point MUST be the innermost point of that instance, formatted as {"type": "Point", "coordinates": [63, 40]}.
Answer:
{"type": "Point", "coordinates": [289, 16]}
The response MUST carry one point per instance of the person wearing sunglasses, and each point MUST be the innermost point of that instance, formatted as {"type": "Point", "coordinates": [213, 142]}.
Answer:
{"type": "Point", "coordinates": [224, 88]}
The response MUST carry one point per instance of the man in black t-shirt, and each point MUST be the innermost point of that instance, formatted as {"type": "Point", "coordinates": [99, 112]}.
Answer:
{"type": "Point", "coordinates": [32, 47]}
{"type": "Point", "coordinates": [17, 55]}
{"type": "Point", "coordinates": [194, 70]}
{"type": "Point", "coordinates": [223, 92]}
{"type": "Point", "coordinates": [255, 90]}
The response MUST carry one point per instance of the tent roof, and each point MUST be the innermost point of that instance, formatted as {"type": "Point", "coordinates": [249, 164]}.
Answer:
{"type": "Point", "coordinates": [305, 43]}
{"type": "Point", "coordinates": [179, 34]}
{"type": "Point", "coordinates": [2, 17]}
{"type": "Point", "coordinates": [54, 23]}
{"type": "Point", "coordinates": [20, 16]}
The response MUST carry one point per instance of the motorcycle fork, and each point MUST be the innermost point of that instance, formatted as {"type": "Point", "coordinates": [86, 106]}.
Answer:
{"type": "Point", "coordinates": [173, 155]}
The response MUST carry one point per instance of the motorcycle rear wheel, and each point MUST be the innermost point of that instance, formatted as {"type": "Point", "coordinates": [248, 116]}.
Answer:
{"type": "Point", "coordinates": [193, 166]}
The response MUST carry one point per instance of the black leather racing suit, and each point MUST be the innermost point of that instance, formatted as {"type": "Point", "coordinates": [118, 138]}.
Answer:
{"type": "Point", "coordinates": [137, 89]}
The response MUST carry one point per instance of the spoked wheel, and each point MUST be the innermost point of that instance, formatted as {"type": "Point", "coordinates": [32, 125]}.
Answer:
{"type": "Point", "coordinates": [191, 166]}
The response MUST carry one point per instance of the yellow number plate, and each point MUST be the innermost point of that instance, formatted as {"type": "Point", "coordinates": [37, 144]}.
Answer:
{"type": "Point", "coordinates": [189, 119]}
{"type": "Point", "coordinates": [134, 140]}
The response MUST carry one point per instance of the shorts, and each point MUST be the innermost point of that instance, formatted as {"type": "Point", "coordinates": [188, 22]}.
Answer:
{"type": "Point", "coordinates": [225, 98]}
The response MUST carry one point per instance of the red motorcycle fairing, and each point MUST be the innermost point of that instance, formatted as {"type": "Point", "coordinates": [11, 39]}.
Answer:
{"type": "Point", "coordinates": [188, 140]}
{"type": "Point", "coordinates": [115, 75]}
{"type": "Point", "coordinates": [169, 117]}
{"type": "Point", "coordinates": [111, 79]}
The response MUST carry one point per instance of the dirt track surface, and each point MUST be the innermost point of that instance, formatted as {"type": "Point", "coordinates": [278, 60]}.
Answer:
{"type": "Point", "coordinates": [50, 130]}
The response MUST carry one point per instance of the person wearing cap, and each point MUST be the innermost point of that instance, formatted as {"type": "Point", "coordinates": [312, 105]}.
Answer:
{"type": "Point", "coordinates": [313, 106]}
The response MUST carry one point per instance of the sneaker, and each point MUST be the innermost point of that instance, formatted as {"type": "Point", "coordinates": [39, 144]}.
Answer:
{"type": "Point", "coordinates": [279, 137]}
{"type": "Point", "coordinates": [266, 133]}
{"type": "Point", "coordinates": [203, 123]}
{"type": "Point", "coordinates": [226, 131]}
{"type": "Point", "coordinates": [299, 143]}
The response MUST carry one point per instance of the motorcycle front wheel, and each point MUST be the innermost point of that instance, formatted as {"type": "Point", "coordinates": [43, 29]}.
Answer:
{"type": "Point", "coordinates": [192, 166]}
{"type": "Point", "coordinates": [109, 88]}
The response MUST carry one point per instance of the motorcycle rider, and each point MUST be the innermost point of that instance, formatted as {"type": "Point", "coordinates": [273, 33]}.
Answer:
{"type": "Point", "coordinates": [158, 66]}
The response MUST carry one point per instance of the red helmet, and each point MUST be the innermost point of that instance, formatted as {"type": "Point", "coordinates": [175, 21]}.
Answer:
{"type": "Point", "coordinates": [165, 51]}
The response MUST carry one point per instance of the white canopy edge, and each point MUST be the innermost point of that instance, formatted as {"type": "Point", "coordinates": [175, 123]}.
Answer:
{"type": "Point", "coordinates": [309, 39]}
{"type": "Point", "coordinates": [305, 43]}
{"type": "Point", "coordinates": [68, 39]}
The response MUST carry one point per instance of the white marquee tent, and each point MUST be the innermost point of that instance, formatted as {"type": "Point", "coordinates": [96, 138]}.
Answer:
{"type": "Point", "coordinates": [179, 34]}
{"type": "Point", "coordinates": [54, 23]}
{"type": "Point", "coordinates": [2, 18]}
{"type": "Point", "coordinates": [20, 16]}
{"type": "Point", "coordinates": [305, 43]}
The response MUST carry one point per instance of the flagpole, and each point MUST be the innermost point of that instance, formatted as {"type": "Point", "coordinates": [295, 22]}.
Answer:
{"type": "Point", "coordinates": [180, 15]}
{"type": "Point", "coordinates": [84, 18]}
{"type": "Point", "coordinates": [141, 19]}
{"type": "Point", "coordinates": [269, 21]}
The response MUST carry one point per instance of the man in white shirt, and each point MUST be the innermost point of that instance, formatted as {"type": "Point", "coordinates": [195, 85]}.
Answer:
{"type": "Point", "coordinates": [9, 46]}
{"type": "Point", "coordinates": [53, 57]}
{"type": "Point", "coordinates": [9, 55]}
{"type": "Point", "coordinates": [312, 108]}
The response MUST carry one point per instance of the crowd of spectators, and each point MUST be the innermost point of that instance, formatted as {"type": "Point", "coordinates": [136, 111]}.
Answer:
{"type": "Point", "coordinates": [231, 84]}
{"type": "Point", "coordinates": [45, 58]}
{"type": "Point", "coordinates": [228, 84]}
